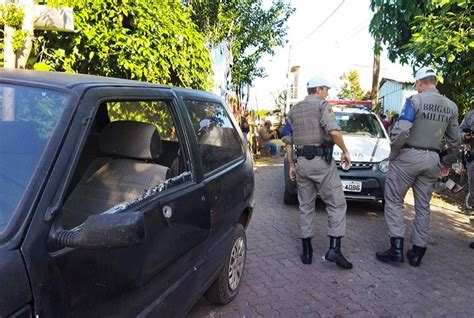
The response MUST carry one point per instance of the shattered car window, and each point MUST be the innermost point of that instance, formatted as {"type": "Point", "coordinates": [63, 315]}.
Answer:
{"type": "Point", "coordinates": [165, 185]}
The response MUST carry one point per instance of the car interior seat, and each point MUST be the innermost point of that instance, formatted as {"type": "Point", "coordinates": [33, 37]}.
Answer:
{"type": "Point", "coordinates": [122, 176]}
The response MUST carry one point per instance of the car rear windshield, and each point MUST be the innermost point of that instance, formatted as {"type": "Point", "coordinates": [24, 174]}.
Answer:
{"type": "Point", "coordinates": [359, 124]}
{"type": "Point", "coordinates": [28, 117]}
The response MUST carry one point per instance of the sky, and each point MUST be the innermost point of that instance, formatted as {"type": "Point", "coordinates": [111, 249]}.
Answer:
{"type": "Point", "coordinates": [342, 43]}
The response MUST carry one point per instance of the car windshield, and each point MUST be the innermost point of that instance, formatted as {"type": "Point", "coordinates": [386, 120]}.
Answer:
{"type": "Point", "coordinates": [359, 124]}
{"type": "Point", "coordinates": [28, 117]}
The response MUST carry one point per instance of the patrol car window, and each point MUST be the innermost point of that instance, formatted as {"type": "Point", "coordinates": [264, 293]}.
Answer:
{"type": "Point", "coordinates": [357, 124]}
{"type": "Point", "coordinates": [28, 117]}
{"type": "Point", "coordinates": [219, 142]}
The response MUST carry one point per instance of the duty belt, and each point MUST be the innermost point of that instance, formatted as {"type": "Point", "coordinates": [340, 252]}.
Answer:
{"type": "Point", "coordinates": [310, 151]}
{"type": "Point", "coordinates": [406, 146]}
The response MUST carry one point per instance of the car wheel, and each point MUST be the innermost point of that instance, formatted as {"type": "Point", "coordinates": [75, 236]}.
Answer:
{"type": "Point", "coordinates": [290, 198]}
{"type": "Point", "coordinates": [227, 284]}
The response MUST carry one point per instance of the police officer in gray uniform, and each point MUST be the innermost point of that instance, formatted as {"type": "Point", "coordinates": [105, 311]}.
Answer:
{"type": "Point", "coordinates": [315, 171]}
{"type": "Point", "coordinates": [426, 118]}
{"type": "Point", "coordinates": [466, 131]}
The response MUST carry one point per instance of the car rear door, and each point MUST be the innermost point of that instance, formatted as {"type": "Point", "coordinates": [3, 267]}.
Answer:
{"type": "Point", "coordinates": [226, 168]}
{"type": "Point", "coordinates": [126, 281]}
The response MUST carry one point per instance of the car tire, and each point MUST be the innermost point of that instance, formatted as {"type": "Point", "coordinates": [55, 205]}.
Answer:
{"type": "Point", "coordinates": [290, 198]}
{"type": "Point", "coordinates": [227, 285]}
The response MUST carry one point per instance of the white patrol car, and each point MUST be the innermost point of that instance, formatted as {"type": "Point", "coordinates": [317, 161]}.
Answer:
{"type": "Point", "coordinates": [369, 147]}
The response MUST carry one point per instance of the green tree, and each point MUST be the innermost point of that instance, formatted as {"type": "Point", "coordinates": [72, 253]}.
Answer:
{"type": "Point", "coordinates": [351, 88]}
{"type": "Point", "coordinates": [149, 40]}
{"type": "Point", "coordinates": [251, 30]}
{"type": "Point", "coordinates": [438, 33]}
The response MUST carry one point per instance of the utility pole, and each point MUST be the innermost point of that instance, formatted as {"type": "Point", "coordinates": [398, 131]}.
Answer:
{"type": "Point", "coordinates": [287, 104]}
{"type": "Point", "coordinates": [375, 74]}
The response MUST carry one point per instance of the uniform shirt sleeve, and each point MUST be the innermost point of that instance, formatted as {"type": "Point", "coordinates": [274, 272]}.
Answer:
{"type": "Point", "coordinates": [328, 119]}
{"type": "Point", "coordinates": [401, 130]}
{"type": "Point", "coordinates": [453, 139]}
{"type": "Point", "coordinates": [465, 124]}
{"type": "Point", "coordinates": [288, 132]}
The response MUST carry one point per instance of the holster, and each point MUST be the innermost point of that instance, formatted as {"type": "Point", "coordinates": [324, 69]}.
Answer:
{"type": "Point", "coordinates": [310, 151]}
{"type": "Point", "coordinates": [328, 145]}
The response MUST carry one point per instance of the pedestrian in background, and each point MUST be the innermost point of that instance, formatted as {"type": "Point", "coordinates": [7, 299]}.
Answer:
{"type": "Point", "coordinates": [385, 122]}
{"type": "Point", "coordinates": [426, 118]}
{"type": "Point", "coordinates": [265, 134]}
{"type": "Point", "coordinates": [244, 125]}
{"type": "Point", "coordinates": [309, 122]}
{"type": "Point", "coordinates": [393, 120]}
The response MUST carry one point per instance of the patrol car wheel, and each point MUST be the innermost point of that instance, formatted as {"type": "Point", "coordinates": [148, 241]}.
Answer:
{"type": "Point", "coordinates": [227, 284]}
{"type": "Point", "coordinates": [290, 198]}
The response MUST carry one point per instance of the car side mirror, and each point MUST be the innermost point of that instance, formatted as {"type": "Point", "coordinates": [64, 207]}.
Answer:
{"type": "Point", "coordinates": [105, 231]}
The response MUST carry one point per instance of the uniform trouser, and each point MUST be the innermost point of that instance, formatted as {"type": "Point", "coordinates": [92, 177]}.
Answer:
{"type": "Point", "coordinates": [317, 175]}
{"type": "Point", "coordinates": [418, 169]}
{"type": "Point", "coordinates": [470, 171]}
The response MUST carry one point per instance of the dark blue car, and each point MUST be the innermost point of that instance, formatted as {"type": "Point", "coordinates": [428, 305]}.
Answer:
{"type": "Point", "coordinates": [118, 198]}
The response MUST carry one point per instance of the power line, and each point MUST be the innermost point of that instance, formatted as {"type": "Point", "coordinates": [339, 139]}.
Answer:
{"type": "Point", "coordinates": [321, 24]}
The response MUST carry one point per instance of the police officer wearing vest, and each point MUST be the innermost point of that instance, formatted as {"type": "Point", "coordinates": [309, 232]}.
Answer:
{"type": "Point", "coordinates": [466, 131]}
{"type": "Point", "coordinates": [312, 120]}
{"type": "Point", "coordinates": [426, 118]}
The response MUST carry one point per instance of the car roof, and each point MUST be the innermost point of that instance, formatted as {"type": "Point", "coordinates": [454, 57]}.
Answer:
{"type": "Point", "coordinates": [79, 82]}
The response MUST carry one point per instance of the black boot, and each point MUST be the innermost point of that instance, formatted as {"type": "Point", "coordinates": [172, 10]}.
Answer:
{"type": "Point", "coordinates": [334, 253]}
{"type": "Point", "coordinates": [415, 255]}
{"type": "Point", "coordinates": [307, 256]}
{"type": "Point", "coordinates": [394, 253]}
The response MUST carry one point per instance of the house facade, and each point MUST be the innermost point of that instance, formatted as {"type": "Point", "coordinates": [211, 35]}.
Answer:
{"type": "Point", "coordinates": [392, 94]}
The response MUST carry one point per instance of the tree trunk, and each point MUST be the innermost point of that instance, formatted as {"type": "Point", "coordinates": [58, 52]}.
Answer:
{"type": "Point", "coordinates": [8, 104]}
{"type": "Point", "coordinates": [248, 97]}
{"type": "Point", "coordinates": [9, 60]}
{"type": "Point", "coordinates": [28, 25]}
{"type": "Point", "coordinates": [375, 76]}
{"type": "Point", "coordinates": [9, 57]}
